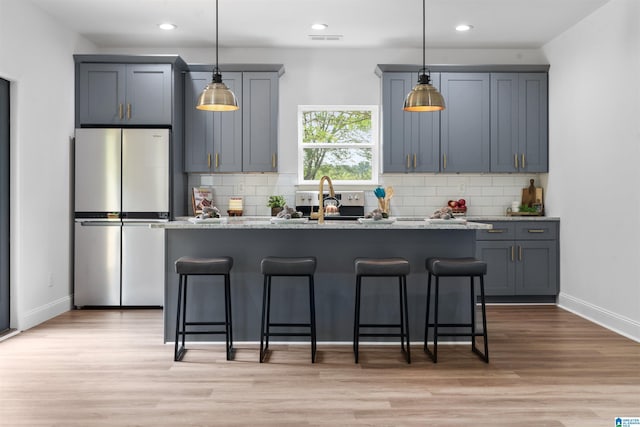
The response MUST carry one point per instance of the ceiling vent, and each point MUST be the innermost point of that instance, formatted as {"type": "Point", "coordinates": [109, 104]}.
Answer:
{"type": "Point", "coordinates": [328, 37]}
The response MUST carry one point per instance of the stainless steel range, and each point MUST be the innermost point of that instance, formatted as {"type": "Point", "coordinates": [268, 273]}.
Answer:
{"type": "Point", "coordinates": [351, 204]}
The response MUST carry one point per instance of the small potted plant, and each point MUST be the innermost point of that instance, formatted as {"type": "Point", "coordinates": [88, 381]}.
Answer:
{"type": "Point", "coordinates": [276, 203]}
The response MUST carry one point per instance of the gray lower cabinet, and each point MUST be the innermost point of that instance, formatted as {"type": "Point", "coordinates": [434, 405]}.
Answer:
{"type": "Point", "coordinates": [519, 122]}
{"type": "Point", "coordinates": [522, 258]}
{"type": "Point", "coordinates": [411, 141]}
{"type": "Point", "coordinates": [239, 141]}
{"type": "Point", "coordinates": [124, 94]}
{"type": "Point", "coordinates": [465, 124]}
{"type": "Point", "coordinates": [213, 140]}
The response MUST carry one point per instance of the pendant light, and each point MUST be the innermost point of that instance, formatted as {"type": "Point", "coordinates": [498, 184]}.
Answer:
{"type": "Point", "coordinates": [424, 97]}
{"type": "Point", "coordinates": [217, 96]}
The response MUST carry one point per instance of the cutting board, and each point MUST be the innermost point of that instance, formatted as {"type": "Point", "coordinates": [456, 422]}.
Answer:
{"type": "Point", "coordinates": [532, 194]}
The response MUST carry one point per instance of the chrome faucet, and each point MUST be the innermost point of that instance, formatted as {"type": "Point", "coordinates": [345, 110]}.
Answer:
{"type": "Point", "coordinates": [321, 197]}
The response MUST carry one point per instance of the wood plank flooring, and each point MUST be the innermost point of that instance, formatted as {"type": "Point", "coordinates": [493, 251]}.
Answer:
{"type": "Point", "coordinates": [110, 368]}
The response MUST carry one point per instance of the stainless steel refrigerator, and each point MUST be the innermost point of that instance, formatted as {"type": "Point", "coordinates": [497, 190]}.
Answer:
{"type": "Point", "coordinates": [121, 187]}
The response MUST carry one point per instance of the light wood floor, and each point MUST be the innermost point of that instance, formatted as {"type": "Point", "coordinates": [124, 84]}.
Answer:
{"type": "Point", "coordinates": [110, 368]}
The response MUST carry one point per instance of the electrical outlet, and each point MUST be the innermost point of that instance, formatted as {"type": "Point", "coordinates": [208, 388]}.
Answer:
{"type": "Point", "coordinates": [462, 188]}
{"type": "Point", "coordinates": [50, 280]}
{"type": "Point", "coordinates": [240, 188]}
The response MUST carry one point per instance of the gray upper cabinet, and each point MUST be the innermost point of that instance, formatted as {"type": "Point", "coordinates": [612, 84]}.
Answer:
{"type": "Point", "coordinates": [519, 122]}
{"type": "Point", "coordinates": [259, 121]}
{"type": "Point", "coordinates": [125, 94]}
{"type": "Point", "coordinates": [465, 125]}
{"type": "Point", "coordinates": [411, 141]}
{"type": "Point", "coordinates": [245, 140]}
{"type": "Point", "coordinates": [213, 140]}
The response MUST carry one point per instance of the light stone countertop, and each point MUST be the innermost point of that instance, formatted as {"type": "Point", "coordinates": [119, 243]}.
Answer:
{"type": "Point", "coordinates": [265, 223]}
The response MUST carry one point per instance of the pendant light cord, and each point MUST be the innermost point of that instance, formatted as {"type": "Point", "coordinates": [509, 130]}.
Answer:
{"type": "Point", "coordinates": [424, 37]}
{"type": "Point", "coordinates": [217, 69]}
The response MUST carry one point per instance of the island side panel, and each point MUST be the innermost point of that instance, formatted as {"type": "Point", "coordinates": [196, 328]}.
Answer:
{"type": "Point", "coordinates": [335, 250]}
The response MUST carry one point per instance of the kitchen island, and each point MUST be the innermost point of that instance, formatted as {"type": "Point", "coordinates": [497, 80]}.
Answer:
{"type": "Point", "coordinates": [335, 244]}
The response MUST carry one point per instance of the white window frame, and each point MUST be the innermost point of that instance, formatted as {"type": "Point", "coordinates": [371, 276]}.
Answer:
{"type": "Point", "coordinates": [374, 145]}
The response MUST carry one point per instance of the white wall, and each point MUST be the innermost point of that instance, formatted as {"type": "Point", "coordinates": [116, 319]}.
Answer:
{"type": "Point", "coordinates": [37, 59]}
{"type": "Point", "coordinates": [594, 132]}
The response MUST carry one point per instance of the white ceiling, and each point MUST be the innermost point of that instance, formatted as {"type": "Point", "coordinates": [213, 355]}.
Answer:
{"type": "Point", "coordinates": [287, 23]}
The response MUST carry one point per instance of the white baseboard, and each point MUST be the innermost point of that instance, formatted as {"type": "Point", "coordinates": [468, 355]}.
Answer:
{"type": "Point", "coordinates": [45, 312]}
{"type": "Point", "coordinates": [619, 324]}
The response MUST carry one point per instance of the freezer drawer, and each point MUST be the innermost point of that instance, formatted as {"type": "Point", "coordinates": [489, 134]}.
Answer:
{"type": "Point", "coordinates": [97, 264]}
{"type": "Point", "coordinates": [142, 265]}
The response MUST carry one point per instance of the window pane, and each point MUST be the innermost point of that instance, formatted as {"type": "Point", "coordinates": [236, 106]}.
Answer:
{"type": "Point", "coordinates": [337, 127]}
{"type": "Point", "coordinates": [338, 163]}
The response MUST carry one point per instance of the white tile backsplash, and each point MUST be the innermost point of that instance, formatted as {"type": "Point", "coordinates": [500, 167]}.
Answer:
{"type": "Point", "coordinates": [414, 194]}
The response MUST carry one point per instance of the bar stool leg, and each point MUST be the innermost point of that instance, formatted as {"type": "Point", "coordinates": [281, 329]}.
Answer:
{"type": "Point", "coordinates": [262, 325]}
{"type": "Point", "coordinates": [229, 317]}
{"type": "Point", "coordinates": [473, 315]}
{"type": "Point", "coordinates": [176, 354]}
{"type": "Point", "coordinates": [356, 331]}
{"type": "Point", "coordinates": [426, 322]}
{"type": "Point", "coordinates": [402, 325]}
{"type": "Point", "coordinates": [406, 317]}
{"type": "Point", "coordinates": [312, 311]}
{"type": "Point", "coordinates": [484, 321]}
{"type": "Point", "coordinates": [435, 321]}
{"type": "Point", "coordinates": [266, 347]}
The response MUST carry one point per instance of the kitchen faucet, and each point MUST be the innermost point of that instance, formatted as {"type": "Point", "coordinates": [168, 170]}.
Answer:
{"type": "Point", "coordinates": [321, 197]}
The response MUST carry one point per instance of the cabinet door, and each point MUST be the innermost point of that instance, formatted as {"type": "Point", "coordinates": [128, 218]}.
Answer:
{"type": "Point", "coordinates": [504, 122]}
{"type": "Point", "coordinates": [425, 136]}
{"type": "Point", "coordinates": [537, 271]}
{"type": "Point", "coordinates": [198, 125]}
{"type": "Point", "coordinates": [148, 94]}
{"type": "Point", "coordinates": [499, 256]}
{"type": "Point", "coordinates": [259, 121]}
{"type": "Point", "coordinates": [396, 123]}
{"type": "Point", "coordinates": [465, 124]}
{"type": "Point", "coordinates": [101, 94]}
{"type": "Point", "coordinates": [533, 122]}
{"type": "Point", "coordinates": [227, 131]}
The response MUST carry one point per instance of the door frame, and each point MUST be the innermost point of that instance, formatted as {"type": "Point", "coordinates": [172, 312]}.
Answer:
{"type": "Point", "coordinates": [5, 303]}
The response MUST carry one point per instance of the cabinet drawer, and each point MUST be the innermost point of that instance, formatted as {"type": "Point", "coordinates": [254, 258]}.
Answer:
{"type": "Point", "coordinates": [502, 230]}
{"type": "Point", "coordinates": [537, 230]}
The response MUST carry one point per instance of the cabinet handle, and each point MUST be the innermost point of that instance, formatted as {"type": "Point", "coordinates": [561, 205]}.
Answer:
{"type": "Point", "coordinates": [522, 162]}
{"type": "Point", "coordinates": [217, 160]}
{"type": "Point", "coordinates": [415, 160]}
{"type": "Point", "coordinates": [496, 230]}
{"type": "Point", "coordinates": [444, 161]}
{"type": "Point", "coordinates": [513, 255]}
{"type": "Point", "coordinates": [209, 160]}
{"type": "Point", "coordinates": [128, 111]}
{"type": "Point", "coordinates": [408, 160]}
{"type": "Point", "coordinates": [120, 108]}
{"type": "Point", "coordinates": [533, 230]}
{"type": "Point", "coordinates": [515, 160]}
{"type": "Point", "coordinates": [273, 160]}
{"type": "Point", "coordinates": [519, 253]}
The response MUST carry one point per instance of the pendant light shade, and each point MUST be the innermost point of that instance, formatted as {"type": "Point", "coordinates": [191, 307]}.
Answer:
{"type": "Point", "coordinates": [217, 96]}
{"type": "Point", "coordinates": [424, 97]}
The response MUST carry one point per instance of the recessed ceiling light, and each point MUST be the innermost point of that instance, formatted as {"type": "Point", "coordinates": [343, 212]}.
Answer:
{"type": "Point", "coordinates": [167, 26]}
{"type": "Point", "coordinates": [319, 26]}
{"type": "Point", "coordinates": [464, 27]}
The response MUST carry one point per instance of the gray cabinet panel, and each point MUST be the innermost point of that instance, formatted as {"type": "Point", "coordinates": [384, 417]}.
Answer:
{"type": "Point", "coordinates": [259, 121]}
{"type": "Point", "coordinates": [4, 205]}
{"type": "Point", "coordinates": [198, 130]}
{"type": "Point", "coordinates": [519, 122]}
{"type": "Point", "coordinates": [148, 92]}
{"type": "Point", "coordinates": [521, 257]}
{"type": "Point", "coordinates": [411, 141]}
{"type": "Point", "coordinates": [137, 94]}
{"type": "Point", "coordinates": [227, 131]}
{"type": "Point", "coordinates": [102, 93]}
{"type": "Point", "coordinates": [465, 125]}
{"type": "Point", "coordinates": [537, 272]}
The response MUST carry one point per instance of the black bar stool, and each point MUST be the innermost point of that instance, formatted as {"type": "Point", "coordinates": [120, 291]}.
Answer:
{"type": "Point", "coordinates": [382, 267]}
{"type": "Point", "coordinates": [280, 266]}
{"type": "Point", "coordinates": [456, 267]}
{"type": "Point", "coordinates": [185, 267]}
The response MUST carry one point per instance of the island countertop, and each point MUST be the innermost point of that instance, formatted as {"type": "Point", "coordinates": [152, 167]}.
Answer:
{"type": "Point", "coordinates": [267, 223]}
